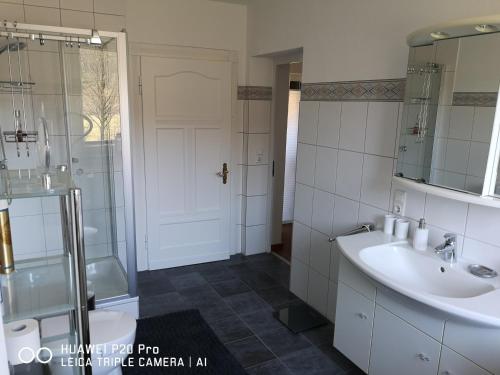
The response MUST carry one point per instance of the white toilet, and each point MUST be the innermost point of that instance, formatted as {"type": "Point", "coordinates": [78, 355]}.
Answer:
{"type": "Point", "coordinates": [111, 331]}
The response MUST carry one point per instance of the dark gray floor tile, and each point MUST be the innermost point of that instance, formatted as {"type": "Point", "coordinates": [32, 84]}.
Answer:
{"type": "Point", "coordinates": [282, 342]}
{"type": "Point", "coordinates": [188, 280]}
{"type": "Point", "coordinates": [230, 329]}
{"type": "Point", "coordinates": [216, 311]}
{"type": "Point", "coordinates": [262, 321]}
{"type": "Point", "coordinates": [337, 357]}
{"type": "Point", "coordinates": [218, 274]}
{"type": "Point", "coordinates": [321, 335]}
{"type": "Point", "coordinates": [246, 302]}
{"type": "Point", "coordinates": [162, 304]}
{"type": "Point", "coordinates": [273, 367]}
{"type": "Point", "coordinates": [230, 287]}
{"type": "Point", "coordinates": [202, 296]}
{"type": "Point", "coordinates": [258, 280]}
{"type": "Point", "coordinates": [151, 287]}
{"type": "Point", "coordinates": [277, 296]}
{"type": "Point", "coordinates": [250, 351]}
{"type": "Point", "coordinates": [310, 361]}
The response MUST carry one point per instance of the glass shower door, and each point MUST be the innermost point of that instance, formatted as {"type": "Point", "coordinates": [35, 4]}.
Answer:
{"type": "Point", "coordinates": [93, 115]}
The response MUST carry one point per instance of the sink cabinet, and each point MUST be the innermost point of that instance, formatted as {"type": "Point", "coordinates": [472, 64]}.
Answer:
{"type": "Point", "coordinates": [385, 333]}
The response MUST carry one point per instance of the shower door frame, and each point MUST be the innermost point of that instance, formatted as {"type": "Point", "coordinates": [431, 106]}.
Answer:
{"type": "Point", "coordinates": [128, 180]}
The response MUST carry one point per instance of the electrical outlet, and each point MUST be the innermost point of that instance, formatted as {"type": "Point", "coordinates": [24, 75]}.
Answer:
{"type": "Point", "coordinates": [399, 202]}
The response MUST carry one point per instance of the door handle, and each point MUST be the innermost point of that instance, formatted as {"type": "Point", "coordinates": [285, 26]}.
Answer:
{"type": "Point", "coordinates": [224, 173]}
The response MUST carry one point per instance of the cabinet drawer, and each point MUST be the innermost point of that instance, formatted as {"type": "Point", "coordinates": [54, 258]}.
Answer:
{"type": "Point", "coordinates": [399, 348]}
{"type": "Point", "coordinates": [454, 364]}
{"type": "Point", "coordinates": [352, 276]}
{"type": "Point", "coordinates": [353, 325]}
{"type": "Point", "coordinates": [481, 345]}
{"type": "Point", "coordinates": [422, 317]}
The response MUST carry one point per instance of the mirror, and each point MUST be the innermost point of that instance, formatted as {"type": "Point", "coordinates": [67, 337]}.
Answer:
{"type": "Point", "coordinates": [448, 113]}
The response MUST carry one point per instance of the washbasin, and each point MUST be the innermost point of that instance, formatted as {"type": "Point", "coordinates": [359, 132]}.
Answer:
{"type": "Point", "coordinates": [423, 272]}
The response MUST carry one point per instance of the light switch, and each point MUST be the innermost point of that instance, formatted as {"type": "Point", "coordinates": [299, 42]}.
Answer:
{"type": "Point", "coordinates": [399, 202]}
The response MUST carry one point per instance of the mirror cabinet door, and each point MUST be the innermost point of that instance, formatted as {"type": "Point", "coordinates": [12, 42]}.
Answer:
{"type": "Point", "coordinates": [450, 99]}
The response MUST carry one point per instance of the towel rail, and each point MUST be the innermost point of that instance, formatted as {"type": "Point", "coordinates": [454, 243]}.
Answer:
{"type": "Point", "coordinates": [368, 227]}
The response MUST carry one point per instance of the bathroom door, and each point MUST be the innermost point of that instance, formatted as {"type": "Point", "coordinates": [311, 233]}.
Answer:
{"type": "Point", "coordinates": [187, 120]}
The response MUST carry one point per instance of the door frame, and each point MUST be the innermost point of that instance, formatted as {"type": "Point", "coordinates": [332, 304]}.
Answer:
{"type": "Point", "coordinates": [136, 52]}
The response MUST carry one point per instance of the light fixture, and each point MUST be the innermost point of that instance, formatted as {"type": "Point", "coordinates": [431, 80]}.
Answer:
{"type": "Point", "coordinates": [439, 35]}
{"type": "Point", "coordinates": [95, 38]}
{"type": "Point", "coordinates": [484, 28]}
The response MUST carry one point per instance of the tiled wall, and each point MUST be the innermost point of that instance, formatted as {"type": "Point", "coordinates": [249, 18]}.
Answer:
{"type": "Point", "coordinates": [100, 14]}
{"type": "Point", "coordinates": [347, 151]}
{"type": "Point", "coordinates": [255, 167]}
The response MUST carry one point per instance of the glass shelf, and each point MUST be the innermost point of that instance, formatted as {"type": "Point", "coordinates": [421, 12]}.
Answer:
{"type": "Point", "coordinates": [27, 183]}
{"type": "Point", "coordinates": [37, 289]}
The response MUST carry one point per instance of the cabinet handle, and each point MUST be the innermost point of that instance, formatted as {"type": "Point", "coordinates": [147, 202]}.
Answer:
{"type": "Point", "coordinates": [423, 357]}
{"type": "Point", "coordinates": [447, 373]}
{"type": "Point", "coordinates": [362, 316]}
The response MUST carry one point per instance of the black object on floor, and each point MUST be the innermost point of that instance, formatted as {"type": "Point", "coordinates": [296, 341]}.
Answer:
{"type": "Point", "coordinates": [300, 317]}
{"type": "Point", "coordinates": [181, 335]}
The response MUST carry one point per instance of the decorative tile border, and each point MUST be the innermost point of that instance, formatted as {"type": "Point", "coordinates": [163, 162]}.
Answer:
{"type": "Point", "coordinates": [255, 93]}
{"type": "Point", "coordinates": [387, 90]}
{"type": "Point", "coordinates": [478, 99]}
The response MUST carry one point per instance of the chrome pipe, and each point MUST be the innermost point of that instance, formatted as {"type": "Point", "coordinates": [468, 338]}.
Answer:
{"type": "Point", "coordinates": [80, 275]}
{"type": "Point", "coordinates": [368, 227]}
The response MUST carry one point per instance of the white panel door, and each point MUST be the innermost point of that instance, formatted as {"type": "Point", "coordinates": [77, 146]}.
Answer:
{"type": "Point", "coordinates": [187, 117]}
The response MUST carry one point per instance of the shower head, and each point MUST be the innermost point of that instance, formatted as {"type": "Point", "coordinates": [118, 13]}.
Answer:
{"type": "Point", "coordinates": [13, 47]}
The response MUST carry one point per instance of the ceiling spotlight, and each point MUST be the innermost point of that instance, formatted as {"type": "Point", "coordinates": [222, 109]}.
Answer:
{"type": "Point", "coordinates": [439, 35]}
{"type": "Point", "coordinates": [95, 38]}
{"type": "Point", "coordinates": [486, 28]}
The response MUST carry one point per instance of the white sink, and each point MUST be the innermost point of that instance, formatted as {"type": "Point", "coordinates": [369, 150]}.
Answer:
{"type": "Point", "coordinates": [419, 271]}
{"type": "Point", "coordinates": [424, 277]}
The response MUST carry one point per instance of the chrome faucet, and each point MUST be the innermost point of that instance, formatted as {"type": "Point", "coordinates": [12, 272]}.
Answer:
{"type": "Point", "coordinates": [447, 250]}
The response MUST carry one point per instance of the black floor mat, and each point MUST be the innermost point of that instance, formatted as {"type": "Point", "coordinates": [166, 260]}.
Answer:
{"type": "Point", "coordinates": [180, 336]}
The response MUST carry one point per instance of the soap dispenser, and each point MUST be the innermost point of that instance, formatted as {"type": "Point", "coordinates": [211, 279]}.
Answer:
{"type": "Point", "coordinates": [421, 236]}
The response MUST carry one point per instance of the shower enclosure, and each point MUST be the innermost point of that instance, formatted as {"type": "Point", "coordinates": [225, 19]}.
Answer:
{"type": "Point", "coordinates": [64, 106]}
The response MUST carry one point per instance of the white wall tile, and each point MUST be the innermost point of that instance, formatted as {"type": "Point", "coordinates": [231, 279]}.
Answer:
{"type": "Point", "coordinates": [109, 22]}
{"type": "Point", "coordinates": [303, 204]}
{"type": "Point", "coordinates": [381, 127]}
{"type": "Point", "coordinates": [483, 124]}
{"type": "Point", "coordinates": [320, 253]}
{"type": "Point", "coordinates": [256, 210]}
{"type": "Point", "coordinates": [110, 6]}
{"type": "Point", "coordinates": [442, 121]}
{"type": "Point", "coordinates": [24, 244]}
{"type": "Point", "coordinates": [45, 71]}
{"type": "Point", "coordinates": [478, 158]}
{"type": "Point", "coordinates": [376, 182]}
{"type": "Point", "coordinates": [334, 262]}
{"type": "Point", "coordinates": [255, 242]}
{"type": "Point", "coordinates": [370, 214]}
{"type": "Point", "coordinates": [349, 172]}
{"type": "Point", "coordinates": [24, 207]}
{"type": "Point", "coordinates": [259, 116]}
{"type": "Point", "coordinates": [53, 231]}
{"type": "Point", "coordinates": [415, 202]}
{"type": "Point", "coordinates": [317, 294]}
{"type": "Point", "coordinates": [326, 168]}
{"type": "Point", "coordinates": [353, 126]}
{"type": "Point", "coordinates": [74, 18]}
{"type": "Point", "coordinates": [51, 108]}
{"type": "Point", "coordinates": [332, 301]}
{"type": "Point", "coordinates": [329, 124]}
{"type": "Point", "coordinates": [92, 185]}
{"type": "Point", "coordinates": [345, 215]}
{"type": "Point", "coordinates": [306, 160]}
{"type": "Point", "coordinates": [97, 231]}
{"type": "Point", "coordinates": [481, 252]}
{"type": "Point", "coordinates": [308, 122]}
{"type": "Point", "coordinates": [301, 242]}
{"type": "Point", "coordinates": [12, 12]}
{"type": "Point", "coordinates": [461, 119]}
{"type": "Point", "coordinates": [42, 15]}
{"type": "Point", "coordinates": [446, 213]}
{"type": "Point", "coordinates": [446, 53]}
{"type": "Point", "coordinates": [257, 179]}
{"type": "Point", "coordinates": [322, 212]}
{"type": "Point", "coordinates": [258, 148]}
{"type": "Point", "coordinates": [457, 155]}
{"type": "Point", "coordinates": [43, 3]}
{"type": "Point", "coordinates": [436, 236]}
{"type": "Point", "coordinates": [482, 224]}
{"type": "Point", "coordinates": [299, 279]}
{"type": "Point", "coordinates": [446, 88]}
{"type": "Point", "coordinates": [84, 5]}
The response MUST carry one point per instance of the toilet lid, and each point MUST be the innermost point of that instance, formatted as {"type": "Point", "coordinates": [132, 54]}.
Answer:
{"type": "Point", "coordinates": [109, 326]}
